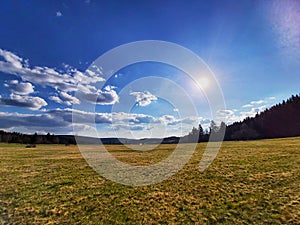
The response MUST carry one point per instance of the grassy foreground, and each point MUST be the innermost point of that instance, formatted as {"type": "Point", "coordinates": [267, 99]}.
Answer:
{"type": "Point", "coordinates": [254, 182]}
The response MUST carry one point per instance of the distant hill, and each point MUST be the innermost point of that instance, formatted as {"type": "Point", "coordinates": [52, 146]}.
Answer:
{"type": "Point", "coordinates": [91, 140]}
{"type": "Point", "coordinates": [15, 137]}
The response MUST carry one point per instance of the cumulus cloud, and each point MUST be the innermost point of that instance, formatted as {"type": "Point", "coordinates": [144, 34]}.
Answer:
{"type": "Point", "coordinates": [30, 121]}
{"type": "Point", "coordinates": [143, 98]}
{"type": "Point", "coordinates": [13, 62]}
{"type": "Point", "coordinates": [58, 118]}
{"type": "Point", "coordinates": [129, 127]}
{"type": "Point", "coordinates": [228, 116]}
{"type": "Point", "coordinates": [135, 118]}
{"type": "Point", "coordinates": [65, 98]}
{"type": "Point", "coordinates": [65, 83]}
{"type": "Point", "coordinates": [232, 116]}
{"type": "Point", "coordinates": [247, 110]}
{"type": "Point", "coordinates": [21, 88]}
{"type": "Point", "coordinates": [56, 99]}
{"type": "Point", "coordinates": [252, 108]}
{"type": "Point", "coordinates": [81, 116]}
{"type": "Point", "coordinates": [253, 111]}
{"type": "Point", "coordinates": [108, 96]}
{"type": "Point", "coordinates": [64, 119]}
{"type": "Point", "coordinates": [169, 120]}
{"type": "Point", "coordinates": [33, 103]}
{"type": "Point", "coordinates": [68, 99]}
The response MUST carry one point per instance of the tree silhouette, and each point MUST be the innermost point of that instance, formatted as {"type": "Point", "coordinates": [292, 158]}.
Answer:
{"type": "Point", "coordinates": [281, 120]}
{"type": "Point", "coordinates": [213, 128]}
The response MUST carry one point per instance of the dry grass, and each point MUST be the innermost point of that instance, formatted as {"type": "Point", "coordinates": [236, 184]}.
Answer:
{"type": "Point", "coordinates": [255, 182]}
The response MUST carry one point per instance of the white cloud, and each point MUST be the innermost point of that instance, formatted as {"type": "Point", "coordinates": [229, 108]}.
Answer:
{"type": "Point", "coordinates": [61, 120]}
{"type": "Point", "coordinates": [128, 127]}
{"type": "Point", "coordinates": [33, 103]}
{"type": "Point", "coordinates": [64, 83]}
{"type": "Point", "coordinates": [65, 98]}
{"type": "Point", "coordinates": [89, 77]}
{"type": "Point", "coordinates": [81, 116]}
{"type": "Point", "coordinates": [68, 99]}
{"type": "Point", "coordinates": [106, 97]}
{"type": "Point", "coordinates": [250, 113]}
{"type": "Point", "coordinates": [193, 120]}
{"type": "Point", "coordinates": [143, 98]}
{"type": "Point", "coordinates": [254, 108]}
{"type": "Point", "coordinates": [68, 81]}
{"type": "Point", "coordinates": [59, 14]}
{"type": "Point", "coordinates": [226, 112]}
{"type": "Point", "coordinates": [29, 121]}
{"type": "Point", "coordinates": [169, 120]}
{"type": "Point", "coordinates": [259, 102]}
{"type": "Point", "coordinates": [247, 106]}
{"type": "Point", "coordinates": [56, 99]}
{"type": "Point", "coordinates": [251, 108]}
{"type": "Point", "coordinates": [12, 59]}
{"type": "Point", "coordinates": [253, 111]}
{"type": "Point", "coordinates": [228, 116]}
{"type": "Point", "coordinates": [133, 118]}
{"type": "Point", "coordinates": [21, 88]}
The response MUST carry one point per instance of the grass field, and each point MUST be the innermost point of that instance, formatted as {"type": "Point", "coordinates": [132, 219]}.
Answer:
{"type": "Point", "coordinates": [254, 182]}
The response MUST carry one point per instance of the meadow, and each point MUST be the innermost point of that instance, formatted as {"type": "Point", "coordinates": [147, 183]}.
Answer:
{"type": "Point", "coordinates": [250, 182]}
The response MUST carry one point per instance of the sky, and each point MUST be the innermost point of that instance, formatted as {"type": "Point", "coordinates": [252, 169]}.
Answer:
{"type": "Point", "coordinates": [48, 73]}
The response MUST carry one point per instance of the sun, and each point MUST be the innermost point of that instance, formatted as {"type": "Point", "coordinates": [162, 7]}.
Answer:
{"type": "Point", "coordinates": [203, 82]}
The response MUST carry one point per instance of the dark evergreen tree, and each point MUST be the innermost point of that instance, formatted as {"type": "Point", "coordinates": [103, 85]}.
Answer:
{"type": "Point", "coordinates": [213, 127]}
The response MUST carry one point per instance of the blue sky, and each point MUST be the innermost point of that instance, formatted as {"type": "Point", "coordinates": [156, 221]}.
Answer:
{"type": "Point", "coordinates": [252, 47]}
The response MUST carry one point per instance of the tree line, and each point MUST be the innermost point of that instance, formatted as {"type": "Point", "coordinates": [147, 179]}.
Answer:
{"type": "Point", "coordinates": [279, 121]}
{"type": "Point", "coordinates": [16, 137]}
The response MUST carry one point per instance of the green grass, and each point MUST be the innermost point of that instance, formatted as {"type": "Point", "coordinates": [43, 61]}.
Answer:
{"type": "Point", "coordinates": [255, 182]}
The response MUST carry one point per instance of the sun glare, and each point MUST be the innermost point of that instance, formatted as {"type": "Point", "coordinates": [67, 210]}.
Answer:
{"type": "Point", "coordinates": [203, 83]}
